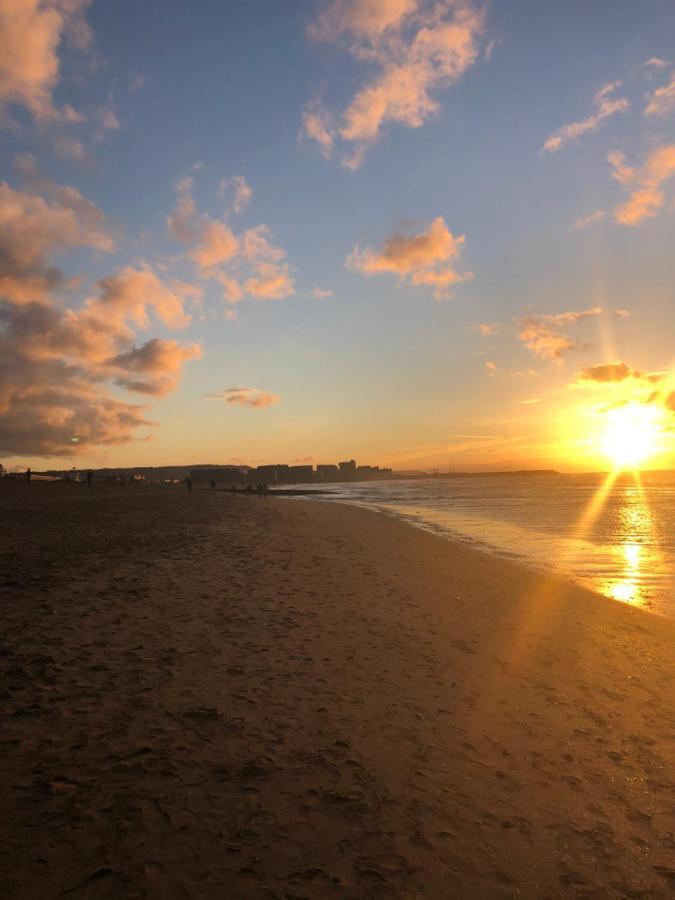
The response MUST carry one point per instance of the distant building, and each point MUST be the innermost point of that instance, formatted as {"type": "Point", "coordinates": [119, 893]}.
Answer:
{"type": "Point", "coordinates": [2, 471]}
{"type": "Point", "coordinates": [277, 472]}
{"type": "Point", "coordinates": [348, 468]}
{"type": "Point", "coordinates": [301, 473]}
{"type": "Point", "coordinates": [324, 472]}
{"type": "Point", "coordinates": [227, 474]}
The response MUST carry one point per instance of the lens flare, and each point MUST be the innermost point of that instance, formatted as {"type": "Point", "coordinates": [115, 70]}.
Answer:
{"type": "Point", "coordinates": [632, 434]}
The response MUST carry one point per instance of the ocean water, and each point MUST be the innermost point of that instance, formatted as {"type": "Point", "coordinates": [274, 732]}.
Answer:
{"type": "Point", "coordinates": [617, 537]}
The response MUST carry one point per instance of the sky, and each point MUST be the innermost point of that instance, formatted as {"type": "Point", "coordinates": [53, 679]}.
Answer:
{"type": "Point", "coordinates": [418, 233]}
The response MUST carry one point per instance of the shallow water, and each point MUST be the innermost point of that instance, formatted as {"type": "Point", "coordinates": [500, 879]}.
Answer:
{"type": "Point", "coordinates": [617, 538]}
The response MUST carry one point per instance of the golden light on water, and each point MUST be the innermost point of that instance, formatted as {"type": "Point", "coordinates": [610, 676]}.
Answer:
{"type": "Point", "coordinates": [639, 551]}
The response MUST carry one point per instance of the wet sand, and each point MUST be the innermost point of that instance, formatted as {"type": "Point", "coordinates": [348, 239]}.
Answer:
{"type": "Point", "coordinates": [230, 697]}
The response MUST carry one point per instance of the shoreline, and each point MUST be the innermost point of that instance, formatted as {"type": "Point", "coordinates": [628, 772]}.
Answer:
{"type": "Point", "coordinates": [213, 696]}
{"type": "Point", "coordinates": [661, 605]}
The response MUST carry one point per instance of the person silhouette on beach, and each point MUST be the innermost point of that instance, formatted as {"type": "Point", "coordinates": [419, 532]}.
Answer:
{"type": "Point", "coordinates": [188, 484]}
{"type": "Point", "coordinates": [213, 485]}
{"type": "Point", "coordinates": [90, 477]}
{"type": "Point", "coordinates": [29, 475]}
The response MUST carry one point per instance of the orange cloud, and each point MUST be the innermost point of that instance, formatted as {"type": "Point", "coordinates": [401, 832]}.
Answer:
{"type": "Point", "coordinates": [420, 259]}
{"type": "Point", "coordinates": [37, 223]}
{"type": "Point", "coordinates": [615, 372]}
{"type": "Point", "coordinates": [272, 282]}
{"type": "Point", "coordinates": [247, 263]}
{"type": "Point", "coordinates": [544, 337]}
{"type": "Point", "coordinates": [662, 101]}
{"type": "Point", "coordinates": [494, 371]}
{"type": "Point", "coordinates": [240, 190]}
{"type": "Point", "coordinates": [53, 369]}
{"type": "Point", "coordinates": [591, 219]}
{"type": "Point", "coordinates": [414, 46]}
{"type": "Point", "coordinates": [245, 396]}
{"type": "Point", "coordinates": [370, 18]}
{"type": "Point", "coordinates": [31, 32]}
{"type": "Point", "coordinates": [647, 197]}
{"type": "Point", "coordinates": [55, 362]}
{"type": "Point", "coordinates": [606, 106]}
{"type": "Point", "coordinates": [133, 293]}
{"type": "Point", "coordinates": [154, 367]}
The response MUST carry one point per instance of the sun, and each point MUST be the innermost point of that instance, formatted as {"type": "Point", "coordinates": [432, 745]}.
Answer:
{"type": "Point", "coordinates": [632, 434]}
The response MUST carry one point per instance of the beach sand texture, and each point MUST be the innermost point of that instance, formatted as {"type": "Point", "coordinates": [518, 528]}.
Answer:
{"type": "Point", "coordinates": [217, 696]}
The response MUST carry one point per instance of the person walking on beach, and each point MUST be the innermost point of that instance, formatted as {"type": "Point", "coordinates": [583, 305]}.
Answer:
{"type": "Point", "coordinates": [90, 477]}
{"type": "Point", "coordinates": [29, 475]}
{"type": "Point", "coordinates": [213, 485]}
{"type": "Point", "coordinates": [188, 484]}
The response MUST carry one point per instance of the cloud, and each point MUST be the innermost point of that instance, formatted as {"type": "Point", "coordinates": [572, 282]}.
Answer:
{"type": "Point", "coordinates": [318, 293]}
{"type": "Point", "coordinates": [240, 190]}
{"type": "Point", "coordinates": [485, 330]}
{"type": "Point", "coordinates": [242, 264]}
{"type": "Point", "coordinates": [272, 282]}
{"type": "Point", "coordinates": [31, 33]}
{"type": "Point", "coordinates": [317, 126]}
{"type": "Point", "coordinates": [606, 106]}
{"type": "Point", "coordinates": [58, 362]}
{"type": "Point", "coordinates": [620, 171]}
{"type": "Point", "coordinates": [543, 334]}
{"type": "Point", "coordinates": [494, 371]}
{"type": "Point", "coordinates": [661, 102]}
{"type": "Point", "coordinates": [607, 373]}
{"type": "Point", "coordinates": [421, 259]}
{"type": "Point", "coordinates": [154, 367]}
{"type": "Point", "coordinates": [617, 371]}
{"type": "Point", "coordinates": [132, 293]}
{"type": "Point", "coordinates": [37, 223]}
{"type": "Point", "coordinates": [412, 47]}
{"type": "Point", "coordinates": [591, 219]}
{"type": "Point", "coordinates": [245, 396]}
{"type": "Point", "coordinates": [54, 366]}
{"type": "Point", "coordinates": [647, 197]}
{"type": "Point", "coordinates": [656, 62]}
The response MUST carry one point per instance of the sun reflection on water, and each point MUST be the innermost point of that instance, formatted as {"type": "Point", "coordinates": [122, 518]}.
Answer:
{"type": "Point", "coordinates": [637, 551]}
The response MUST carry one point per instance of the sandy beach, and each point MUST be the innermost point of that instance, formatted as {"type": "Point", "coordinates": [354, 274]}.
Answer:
{"type": "Point", "coordinates": [211, 696]}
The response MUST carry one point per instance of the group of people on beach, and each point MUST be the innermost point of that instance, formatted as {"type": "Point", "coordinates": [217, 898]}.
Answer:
{"type": "Point", "coordinates": [261, 489]}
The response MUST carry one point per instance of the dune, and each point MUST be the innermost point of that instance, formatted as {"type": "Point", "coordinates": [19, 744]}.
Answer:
{"type": "Point", "coordinates": [218, 696]}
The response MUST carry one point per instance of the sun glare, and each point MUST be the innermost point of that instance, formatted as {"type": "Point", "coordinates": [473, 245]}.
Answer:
{"type": "Point", "coordinates": [632, 434]}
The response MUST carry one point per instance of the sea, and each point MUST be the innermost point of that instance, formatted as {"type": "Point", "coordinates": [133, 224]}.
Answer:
{"type": "Point", "coordinates": [615, 535]}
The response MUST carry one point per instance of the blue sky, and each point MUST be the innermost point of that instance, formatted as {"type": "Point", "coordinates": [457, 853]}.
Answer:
{"type": "Point", "coordinates": [390, 367]}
